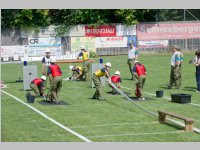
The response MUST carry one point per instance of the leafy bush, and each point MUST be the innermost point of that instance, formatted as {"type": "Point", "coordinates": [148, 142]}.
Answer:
{"type": "Point", "coordinates": [93, 54]}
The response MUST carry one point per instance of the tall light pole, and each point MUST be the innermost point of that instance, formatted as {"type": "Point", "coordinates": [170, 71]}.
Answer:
{"type": "Point", "coordinates": [157, 15]}
{"type": "Point", "coordinates": [184, 15]}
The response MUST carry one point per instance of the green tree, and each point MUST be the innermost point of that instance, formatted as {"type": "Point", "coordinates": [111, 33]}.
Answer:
{"type": "Point", "coordinates": [192, 14]}
{"type": "Point", "coordinates": [25, 18]}
{"type": "Point", "coordinates": [170, 15]}
{"type": "Point", "coordinates": [101, 16]}
{"type": "Point", "coordinates": [63, 19]}
{"type": "Point", "coordinates": [133, 16]}
{"type": "Point", "coordinates": [8, 17]}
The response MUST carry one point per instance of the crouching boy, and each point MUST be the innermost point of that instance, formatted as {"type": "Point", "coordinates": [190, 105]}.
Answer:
{"type": "Point", "coordinates": [116, 79]}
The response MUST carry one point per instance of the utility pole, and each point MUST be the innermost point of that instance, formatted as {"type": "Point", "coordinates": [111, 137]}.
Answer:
{"type": "Point", "coordinates": [184, 17]}
{"type": "Point", "coordinates": [186, 43]}
{"type": "Point", "coordinates": [157, 15]}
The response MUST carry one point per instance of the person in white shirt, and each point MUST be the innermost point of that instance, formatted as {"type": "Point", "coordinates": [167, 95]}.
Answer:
{"type": "Point", "coordinates": [46, 63]}
{"type": "Point", "coordinates": [132, 57]}
{"type": "Point", "coordinates": [175, 74]}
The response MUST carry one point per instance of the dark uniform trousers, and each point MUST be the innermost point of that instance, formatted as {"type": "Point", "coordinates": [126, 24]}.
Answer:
{"type": "Point", "coordinates": [130, 63]}
{"type": "Point", "coordinates": [97, 83]}
{"type": "Point", "coordinates": [175, 76]}
{"type": "Point", "coordinates": [56, 85]}
{"type": "Point", "coordinates": [86, 68]}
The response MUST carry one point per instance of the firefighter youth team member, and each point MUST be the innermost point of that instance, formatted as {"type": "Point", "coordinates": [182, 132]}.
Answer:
{"type": "Point", "coordinates": [38, 86]}
{"type": "Point", "coordinates": [77, 72]}
{"type": "Point", "coordinates": [46, 63]}
{"type": "Point", "coordinates": [97, 82]}
{"type": "Point", "coordinates": [116, 79]}
{"type": "Point", "coordinates": [175, 74]}
{"type": "Point", "coordinates": [55, 76]}
{"type": "Point", "coordinates": [86, 64]}
{"type": "Point", "coordinates": [132, 56]}
{"type": "Point", "coordinates": [139, 72]}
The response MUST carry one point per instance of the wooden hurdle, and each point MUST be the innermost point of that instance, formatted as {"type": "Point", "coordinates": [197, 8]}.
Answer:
{"type": "Point", "coordinates": [188, 121]}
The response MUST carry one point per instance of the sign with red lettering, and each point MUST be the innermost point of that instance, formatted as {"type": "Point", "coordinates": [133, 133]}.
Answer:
{"type": "Point", "coordinates": [104, 30]}
{"type": "Point", "coordinates": [111, 42]}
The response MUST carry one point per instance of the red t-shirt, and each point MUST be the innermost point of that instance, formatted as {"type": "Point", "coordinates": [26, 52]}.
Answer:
{"type": "Point", "coordinates": [116, 79]}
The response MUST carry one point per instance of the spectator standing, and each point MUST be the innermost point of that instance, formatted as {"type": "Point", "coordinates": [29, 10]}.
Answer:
{"type": "Point", "coordinates": [176, 67]}
{"type": "Point", "coordinates": [132, 57]}
{"type": "Point", "coordinates": [196, 63]}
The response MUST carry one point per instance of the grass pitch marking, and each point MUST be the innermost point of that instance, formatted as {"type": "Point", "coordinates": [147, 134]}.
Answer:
{"type": "Point", "coordinates": [116, 124]}
{"type": "Point", "coordinates": [49, 118]}
{"type": "Point", "coordinates": [172, 120]}
{"type": "Point", "coordinates": [137, 134]}
{"type": "Point", "coordinates": [198, 105]}
{"type": "Point", "coordinates": [150, 112]}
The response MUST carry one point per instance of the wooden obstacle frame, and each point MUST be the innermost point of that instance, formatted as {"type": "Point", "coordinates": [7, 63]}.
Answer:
{"type": "Point", "coordinates": [188, 121]}
{"type": "Point", "coordinates": [74, 61]}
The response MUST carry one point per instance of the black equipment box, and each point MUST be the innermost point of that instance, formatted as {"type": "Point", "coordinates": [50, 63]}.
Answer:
{"type": "Point", "coordinates": [181, 98]}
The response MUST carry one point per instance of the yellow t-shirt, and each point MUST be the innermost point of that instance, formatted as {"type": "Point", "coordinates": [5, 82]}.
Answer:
{"type": "Point", "coordinates": [85, 56]}
{"type": "Point", "coordinates": [79, 69]}
{"type": "Point", "coordinates": [100, 72]}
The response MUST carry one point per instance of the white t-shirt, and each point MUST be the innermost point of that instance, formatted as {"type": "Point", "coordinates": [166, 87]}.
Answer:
{"type": "Point", "coordinates": [46, 61]}
{"type": "Point", "coordinates": [175, 57]}
{"type": "Point", "coordinates": [195, 59]}
{"type": "Point", "coordinates": [132, 53]}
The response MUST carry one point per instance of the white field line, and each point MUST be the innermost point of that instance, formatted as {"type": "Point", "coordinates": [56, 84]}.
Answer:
{"type": "Point", "coordinates": [163, 97]}
{"type": "Point", "coordinates": [49, 118]}
{"type": "Point", "coordinates": [129, 99]}
{"type": "Point", "coordinates": [115, 124]}
{"type": "Point", "coordinates": [198, 105]}
{"type": "Point", "coordinates": [137, 134]}
{"type": "Point", "coordinates": [172, 120]}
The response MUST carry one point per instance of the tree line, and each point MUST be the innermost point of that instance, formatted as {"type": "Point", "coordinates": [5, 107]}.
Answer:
{"type": "Point", "coordinates": [64, 18]}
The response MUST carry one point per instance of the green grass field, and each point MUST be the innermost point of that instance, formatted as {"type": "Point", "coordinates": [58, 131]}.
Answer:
{"type": "Point", "coordinates": [113, 120]}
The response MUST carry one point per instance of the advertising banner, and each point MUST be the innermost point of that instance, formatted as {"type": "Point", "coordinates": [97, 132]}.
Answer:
{"type": "Point", "coordinates": [153, 44]}
{"type": "Point", "coordinates": [164, 31]}
{"type": "Point", "coordinates": [29, 50]}
{"type": "Point", "coordinates": [43, 32]}
{"type": "Point", "coordinates": [38, 46]}
{"type": "Point", "coordinates": [111, 42]}
{"type": "Point", "coordinates": [132, 39]}
{"type": "Point", "coordinates": [78, 30]}
{"type": "Point", "coordinates": [44, 42]}
{"type": "Point", "coordinates": [88, 42]}
{"type": "Point", "coordinates": [40, 51]}
{"type": "Point", "coordinates": [104, 30]}
{"type": "Point", "coordinates": [123, 30]}
{"type": "Point", "coordinates": [13, 50]}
